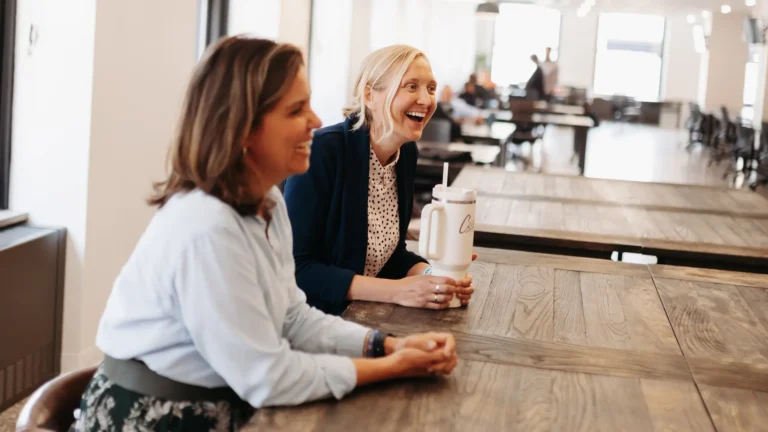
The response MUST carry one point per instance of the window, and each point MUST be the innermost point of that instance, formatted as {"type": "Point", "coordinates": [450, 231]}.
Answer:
{"type": "Point", "coordinates": [520, 31]}
{"type": "Point", "coordinates": [7, 35]}
{"type": "Point", "coordinates": [750, 83]}
{"type": "Point", "coordinates": [219, 18]}
{"type": "Point", "coordinates": [329, 45]}
{"type": "Point", "coordinates": [629, 55]}
{"type": "Point", "coordinates": [255, 18]}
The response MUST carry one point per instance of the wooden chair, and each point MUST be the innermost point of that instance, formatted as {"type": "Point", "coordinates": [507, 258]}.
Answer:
{"type": "Point", "coordinates": [52, 406]}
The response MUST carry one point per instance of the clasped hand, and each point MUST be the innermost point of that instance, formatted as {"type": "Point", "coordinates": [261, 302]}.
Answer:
{"type": "Point", "coordinates": [424, 354]}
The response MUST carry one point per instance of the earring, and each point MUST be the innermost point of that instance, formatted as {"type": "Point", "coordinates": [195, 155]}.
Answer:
{"type": "Point", "coordinates": [245, 151]}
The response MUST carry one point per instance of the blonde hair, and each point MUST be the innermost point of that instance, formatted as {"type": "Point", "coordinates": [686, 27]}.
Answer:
{"type": "Point", "coordinates": [389, 63]}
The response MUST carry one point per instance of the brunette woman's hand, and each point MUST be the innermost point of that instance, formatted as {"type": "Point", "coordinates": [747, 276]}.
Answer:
{"type": "Point", "coordinates": [432, 341]}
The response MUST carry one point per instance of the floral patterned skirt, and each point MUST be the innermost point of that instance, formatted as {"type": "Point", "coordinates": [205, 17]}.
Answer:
{"type": "Point", "coordinates": [106, 406]}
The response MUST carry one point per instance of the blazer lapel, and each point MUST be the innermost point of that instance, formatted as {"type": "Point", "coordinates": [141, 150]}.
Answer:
{"type": "Point", "coordinates": [356, 217]}
{"type": "Point", "coordinates": [403, 180]}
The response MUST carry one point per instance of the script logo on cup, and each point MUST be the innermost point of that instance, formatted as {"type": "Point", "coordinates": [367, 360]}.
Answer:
{"type": "Point", "coordinates": [467, 225]}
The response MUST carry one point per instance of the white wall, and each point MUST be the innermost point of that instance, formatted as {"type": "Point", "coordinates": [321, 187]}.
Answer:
{"type": "Point", "coordinates": [95, 105]}
{"type": "Point", "coordinates": [138, 86]}
{"type": "Point", "coordinates": [723, 83]}
{"type": "Point", "coordinates": [51, 133]}
{"type": "Point", "coordinates": [360, 33]}
{"type": "Point", "coordinates": [257, 18]}
{"type": "Point", "coordinates": [680, 79]}
{"type": "Point", "coordinates": [450, 42]}
{"type": "Point", "coordinates": [295, 16]}
{"type": "Point", "coordinates": [329, 66]}
{"type": "Point", "coordinates": [578, 46]}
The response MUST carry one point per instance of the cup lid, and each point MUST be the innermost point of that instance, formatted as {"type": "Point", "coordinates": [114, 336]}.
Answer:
{"type": "Point", "coordinates": [442, 193]}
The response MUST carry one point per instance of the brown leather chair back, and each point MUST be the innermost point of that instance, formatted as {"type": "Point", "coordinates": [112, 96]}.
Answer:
{"type": "Point", "coordinates": [52, 406]}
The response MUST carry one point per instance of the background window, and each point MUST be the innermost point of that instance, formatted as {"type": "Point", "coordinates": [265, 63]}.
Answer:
{"type": "Point", "coordinates": [750, 84]}
{"type": "Point", "coordinates": [255, 18]}
{"type": "Point", "coordinates": [629, 55]}
{"type": "Point", "coordinates": [329, 58]}
{"type": "Point", "coordinates": [520, 31]}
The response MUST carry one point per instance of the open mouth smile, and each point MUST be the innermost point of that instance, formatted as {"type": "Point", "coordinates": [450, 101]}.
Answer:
{"type": "Point", "coordinates": [416, 116]}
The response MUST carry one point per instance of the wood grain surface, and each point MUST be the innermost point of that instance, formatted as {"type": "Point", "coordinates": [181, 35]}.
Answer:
{"type": "Point", "coordinates": [644, 195]}
{"type": "Point", "coordinates": [722, 330]}
{"type": "Point", "coordinates": [556, 347]}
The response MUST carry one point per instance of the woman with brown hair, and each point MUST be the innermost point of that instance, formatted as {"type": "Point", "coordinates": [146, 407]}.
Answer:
{"type": "Point", "coordinates": [205, 321]}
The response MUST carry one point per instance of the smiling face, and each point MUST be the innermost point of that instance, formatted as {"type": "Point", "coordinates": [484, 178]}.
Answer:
{"type": "Point", "coordinates": [412, 106]}
{"type": "Point", "coordinates": [280, 147]}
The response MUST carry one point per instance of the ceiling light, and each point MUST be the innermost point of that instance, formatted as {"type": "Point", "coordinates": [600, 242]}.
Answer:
{"type": "Point", "coordinates": [725, 9]}
{"type": "Point", "coordinates": [750, 3]}
{"type": "Point", "coordinates": [487, 10]}
{"type": "Point", "coordinates": [705, 14]}
{"type": "Point", "coordinates": [691, 19]}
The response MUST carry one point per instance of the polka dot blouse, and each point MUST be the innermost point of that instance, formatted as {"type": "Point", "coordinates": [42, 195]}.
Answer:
{"type": "Point", "coordinates": [383, 216]}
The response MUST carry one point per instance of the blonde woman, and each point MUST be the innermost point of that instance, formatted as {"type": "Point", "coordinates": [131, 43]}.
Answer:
{"type": "Point", "coordinates": [205, 321]}
{"type": "Point", "coordinates": [350, 211]}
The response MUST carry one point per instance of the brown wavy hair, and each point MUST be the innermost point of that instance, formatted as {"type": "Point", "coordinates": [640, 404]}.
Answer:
{"type": "Point", "coordinates": [237, 82]}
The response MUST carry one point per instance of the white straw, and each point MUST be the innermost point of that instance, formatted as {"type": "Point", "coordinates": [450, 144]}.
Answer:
{"type": "Point", "coordinates": [445, 174]}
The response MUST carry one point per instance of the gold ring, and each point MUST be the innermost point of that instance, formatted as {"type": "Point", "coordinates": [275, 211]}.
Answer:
{"type": "Point", "coordinates": [435, 298]}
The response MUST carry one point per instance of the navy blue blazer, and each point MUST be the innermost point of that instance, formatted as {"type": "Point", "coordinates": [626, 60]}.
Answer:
{"type": "Point", "coordinates": [328, 207]}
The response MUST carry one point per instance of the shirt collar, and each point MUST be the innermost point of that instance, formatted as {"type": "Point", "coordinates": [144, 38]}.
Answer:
{"type": "Point", "coordinates": [391, 164]}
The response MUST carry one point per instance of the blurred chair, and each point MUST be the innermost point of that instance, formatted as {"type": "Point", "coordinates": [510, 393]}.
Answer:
{"type": "Point", "coordinates": [727, 138]}
{"type": "Point", "coordinates": [694, 124]}
{"type": "Point", "coordinates": [524, 133]}
{"type": "Point", "coordinates": [437, 130]}
{"type": "Point", "coordinates": [625, 109]}
{"type": "Point", "coordinates": [52, 406]}
{"type": "Point", "coordinates": [759, 162]}
{"type": "Point", "coordinates": [742, 151]}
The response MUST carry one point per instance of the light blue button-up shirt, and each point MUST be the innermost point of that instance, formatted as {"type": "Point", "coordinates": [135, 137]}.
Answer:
{"type": "Point", "coordinates": [207, 298]}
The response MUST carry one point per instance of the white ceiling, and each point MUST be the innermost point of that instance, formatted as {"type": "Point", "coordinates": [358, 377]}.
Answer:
{"type": "Point", "coordinates": [657, 6]}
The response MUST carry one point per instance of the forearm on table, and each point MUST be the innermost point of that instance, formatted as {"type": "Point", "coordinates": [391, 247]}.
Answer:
{"type": "Point", "coordinates": [375, 370]}
{"type": "Point", "coordinates": [372, 289]}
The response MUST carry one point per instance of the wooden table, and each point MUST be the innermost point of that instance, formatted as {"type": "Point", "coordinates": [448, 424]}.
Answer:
{"type": "Point", "coordinates": [480, 153]}
{"type": "Point", "coordinates": [429, 172]}
{"type": "Point", "coordinates": [643, 195]}
{"type": "Point", "coordinates": [495, 133]}
{"type": "Point", "coordinates": [573, 344]}
{"type": "Point", "coordinates": [684, 225]}
{"type": "Point", "coordinates": [580, 124]}
{"type": "Point", "coordinates": [548, 108]}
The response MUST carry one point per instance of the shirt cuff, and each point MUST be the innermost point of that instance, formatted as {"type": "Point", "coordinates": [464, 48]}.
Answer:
{"type": "Point", "coordinates": [350, 340]}
{"type": "Point", "coordinates": [340, 374]}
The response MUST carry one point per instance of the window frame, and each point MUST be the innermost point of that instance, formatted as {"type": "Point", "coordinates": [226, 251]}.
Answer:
{"type": "Point", "coordinates": [217, 20]}
{"type": "Point", "coordinates": [8, 42]}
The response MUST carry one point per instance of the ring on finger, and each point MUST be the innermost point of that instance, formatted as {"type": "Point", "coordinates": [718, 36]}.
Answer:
{"type": "Point", "coordinates": [435, 300]}
{"type": "Point", "coordinates": [437, 289]}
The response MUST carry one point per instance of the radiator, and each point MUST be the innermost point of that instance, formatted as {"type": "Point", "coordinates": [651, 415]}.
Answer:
{"type": "Point", "coordinates": [31, 309]}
